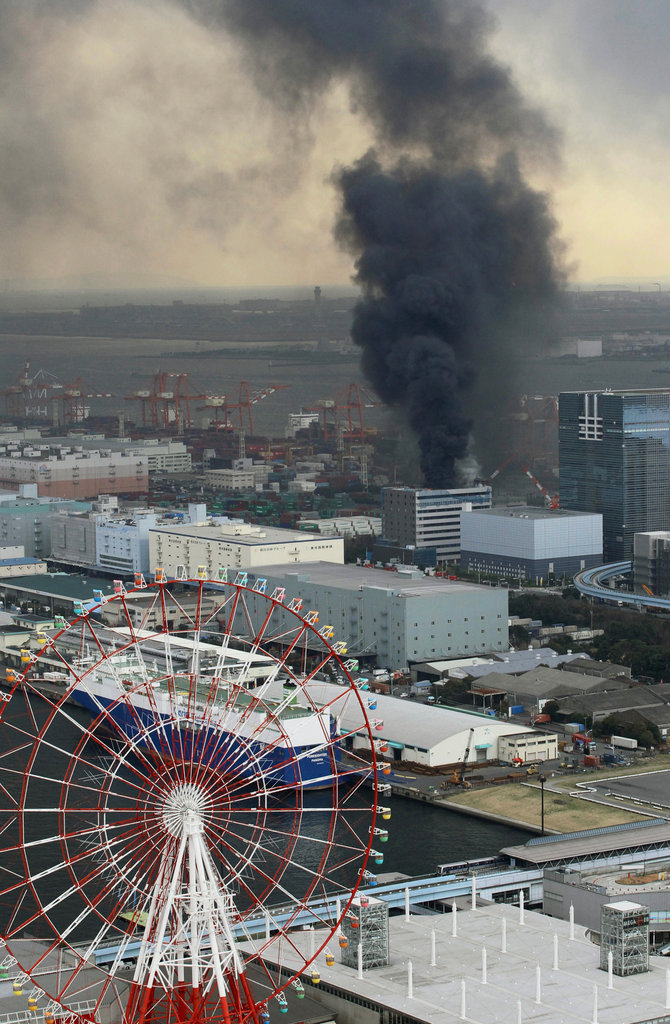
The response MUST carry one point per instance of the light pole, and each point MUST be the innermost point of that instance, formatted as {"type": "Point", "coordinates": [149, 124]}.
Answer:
{"type": "Point", "coordinates": [543, 779]}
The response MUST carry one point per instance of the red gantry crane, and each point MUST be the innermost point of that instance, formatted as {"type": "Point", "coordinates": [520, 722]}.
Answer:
{"type": "Point", "coordinates": [237, 416]}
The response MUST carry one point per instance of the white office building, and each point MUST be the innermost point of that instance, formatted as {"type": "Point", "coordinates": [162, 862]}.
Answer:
{"type": "Point", "coordinates": [236, 545]}
{"type": "Point", "coordinates": [426, 518]}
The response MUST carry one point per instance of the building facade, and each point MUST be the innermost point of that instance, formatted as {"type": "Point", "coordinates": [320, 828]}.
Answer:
{"type": "Point", "coordinates": [110, 539]}
{"type": "Point", "coordinates": [651, 562]}
{"type": "Point", "coordinates": [26, 522]}
{"type": "Point", "coordinates": [69, 471]}
{"type": "Point", "coordinates": [236, 545]}
{"type": "Point", "coordinates": [532, 543]}
{"type": "Point", "coordinates": [430, 518]}
{"type": "Point", "coordinates": [397, 618]}
{"type": "Point", "coordinates": [614, 458]}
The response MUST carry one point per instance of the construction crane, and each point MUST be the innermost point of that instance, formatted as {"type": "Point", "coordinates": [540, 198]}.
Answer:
{"type": "Point", "coordinates": [551, 500]}
{"type": "Point", "coordinates": [458, 774]}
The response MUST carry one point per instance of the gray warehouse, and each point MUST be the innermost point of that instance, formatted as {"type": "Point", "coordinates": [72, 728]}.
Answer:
{"type": "Point", "coordinates": [398, 618]}
{"type": "Point", "coordinates": [530, 542]}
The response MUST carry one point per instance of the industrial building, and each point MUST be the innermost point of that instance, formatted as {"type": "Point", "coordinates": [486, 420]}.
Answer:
{"type": "Point", "coordinates": [651, 562]}
{"type": "Point", "coordinates": [110, 539]}
{"type": "Point", "coordinates": [428, 518]}
{"type": "Point", "coordinates": [433, 735]}
{"type": "Point", "coordinates": [530, 543]}
{"type": "Point", "coordinates": [72, 470]}
{"type": "Point", "coordinates": [25, 519]}
{"type": "Point", "coordinates": [163, 454]}
{"type": "Point", "coordinates": [614, 458]}
{"type": "Point", "coordinates": [236, 545]}
{"type": "Point", "coordinates": [400, 617]}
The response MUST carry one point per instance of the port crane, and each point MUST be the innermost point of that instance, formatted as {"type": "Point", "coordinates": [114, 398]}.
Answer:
{"type": "Point", "coordinates": [342, 417]}
{"type": "Point", "coordinates": [31, 394]}
{"type": "Point", "coordinates": [167, 403]}
{"type": "Point", "coordinates": [237, 416]}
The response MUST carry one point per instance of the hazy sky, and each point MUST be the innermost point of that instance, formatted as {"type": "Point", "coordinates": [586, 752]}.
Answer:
{"type": "Point", "coordinates": [133, 141]}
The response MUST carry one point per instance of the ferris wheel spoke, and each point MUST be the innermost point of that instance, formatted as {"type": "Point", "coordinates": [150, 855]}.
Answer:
{"type": "Point", "coordinates": [195, 743]}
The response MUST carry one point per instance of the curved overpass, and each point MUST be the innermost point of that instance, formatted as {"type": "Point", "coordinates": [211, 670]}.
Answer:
{"type": "Point", "coordinates": [594, 583]}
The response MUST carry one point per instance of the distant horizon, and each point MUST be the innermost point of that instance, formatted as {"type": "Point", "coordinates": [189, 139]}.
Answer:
{"type": "Point", "coordinates": [112, 283]}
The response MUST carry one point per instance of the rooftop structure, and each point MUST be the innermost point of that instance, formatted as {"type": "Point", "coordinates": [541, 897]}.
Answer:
{"type": "Point", "coordinates": [492, 965]}
{"type": "Point", "coordinates": [594, 846]}
{"type": "Point", "coordinates": [528, 542]}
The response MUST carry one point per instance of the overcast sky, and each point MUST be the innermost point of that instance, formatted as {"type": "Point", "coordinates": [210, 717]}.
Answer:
{"type": "Point", "coordinates": [133, 141]}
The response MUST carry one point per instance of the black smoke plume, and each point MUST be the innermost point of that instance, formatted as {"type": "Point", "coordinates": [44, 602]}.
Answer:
{"type": "Point", "coordinates": [455, 253]}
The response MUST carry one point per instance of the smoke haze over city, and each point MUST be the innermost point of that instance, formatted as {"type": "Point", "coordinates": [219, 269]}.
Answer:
{"type": "Point", "coordinates": [218, 141]}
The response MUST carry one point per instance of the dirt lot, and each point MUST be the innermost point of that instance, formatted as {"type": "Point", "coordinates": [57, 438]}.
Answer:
{"type": "Point", "coordinates": [562, 813]}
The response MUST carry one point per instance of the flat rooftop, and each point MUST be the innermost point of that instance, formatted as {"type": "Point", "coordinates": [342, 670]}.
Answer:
{"type": "Point", "coordinates": [244, 534]}
{"type": "Point", "coordinates": [574, 846]}
{"type": "Point", "coordinates": [61, 584]}
{"type": "Point", "coordinates": [510, 990]}
{"type": "Point", "coordinates": [356, 577]}
{"type": "Point", "coordinates": [532, 512]}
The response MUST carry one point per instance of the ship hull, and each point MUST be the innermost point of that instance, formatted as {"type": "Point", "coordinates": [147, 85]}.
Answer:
{"type": "Point", "coordinates": [161, 736]}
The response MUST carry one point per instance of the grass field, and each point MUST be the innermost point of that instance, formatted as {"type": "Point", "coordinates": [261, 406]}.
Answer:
{"type": "Point", "coordinates": [562, 812]}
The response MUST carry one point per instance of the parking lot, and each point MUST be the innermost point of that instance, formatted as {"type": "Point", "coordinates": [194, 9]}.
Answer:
{"type": "Point", "coordinates": [652, 788]}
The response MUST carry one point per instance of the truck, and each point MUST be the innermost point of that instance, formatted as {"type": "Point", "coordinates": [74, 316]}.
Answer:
{"type": "Point", "coordinates": [623, 741]}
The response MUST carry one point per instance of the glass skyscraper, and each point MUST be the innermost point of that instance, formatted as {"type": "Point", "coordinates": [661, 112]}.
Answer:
{"type": "Point", "coordinates": [614, 458]}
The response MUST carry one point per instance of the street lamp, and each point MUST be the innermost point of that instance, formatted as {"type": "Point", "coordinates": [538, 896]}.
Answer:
{"type": "Point", "coordinates": [542, 781]}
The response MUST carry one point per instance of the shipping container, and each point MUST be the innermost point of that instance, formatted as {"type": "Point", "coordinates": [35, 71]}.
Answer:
{"type": "Point", "coordinates": [591, 761]}
{"type": "Point", "coordinates": [541, 719]}
{"type": "Point", "coordinates": [624, 741]}
{"type": "Point", "coordinates": [516, 709]}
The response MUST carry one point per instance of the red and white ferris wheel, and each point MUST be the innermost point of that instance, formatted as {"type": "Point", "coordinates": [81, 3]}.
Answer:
{"type": "Point", "coordinates": [181, 786]}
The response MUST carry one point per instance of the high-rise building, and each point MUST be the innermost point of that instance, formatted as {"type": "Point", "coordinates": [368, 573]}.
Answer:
{"type": "Point", "coordinates": [614, 458]}
{"type": "Point", "coordinates": [430, 518]}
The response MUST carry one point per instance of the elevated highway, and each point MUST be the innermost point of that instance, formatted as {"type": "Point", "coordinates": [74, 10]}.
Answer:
{"type": "Point", "coordinates": [595, 583]}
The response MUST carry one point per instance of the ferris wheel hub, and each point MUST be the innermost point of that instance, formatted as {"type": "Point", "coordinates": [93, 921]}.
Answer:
{"type": "Point", "coordinates": [185, 809]}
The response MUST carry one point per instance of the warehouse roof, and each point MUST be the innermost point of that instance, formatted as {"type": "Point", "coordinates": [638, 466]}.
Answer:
{"type": "Point", "coordinates": [356, 577]}
{"type": "Point", "coordinates": [551, 682]}
{"type": "Point", "coordinates": [58, 584]}
{"type": "Point", "coordinates": [618, 700]}
{"type": "Point", "coordinates": [653, 833]}
{"type": "Point", "coordinates": [532, 512]}
{"type": "Point", "coordinates": [413, 723]}
{"type": "Point", "coordinates": [517, 662]}
{"type": "Point", "coordinates": [244, 534]}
